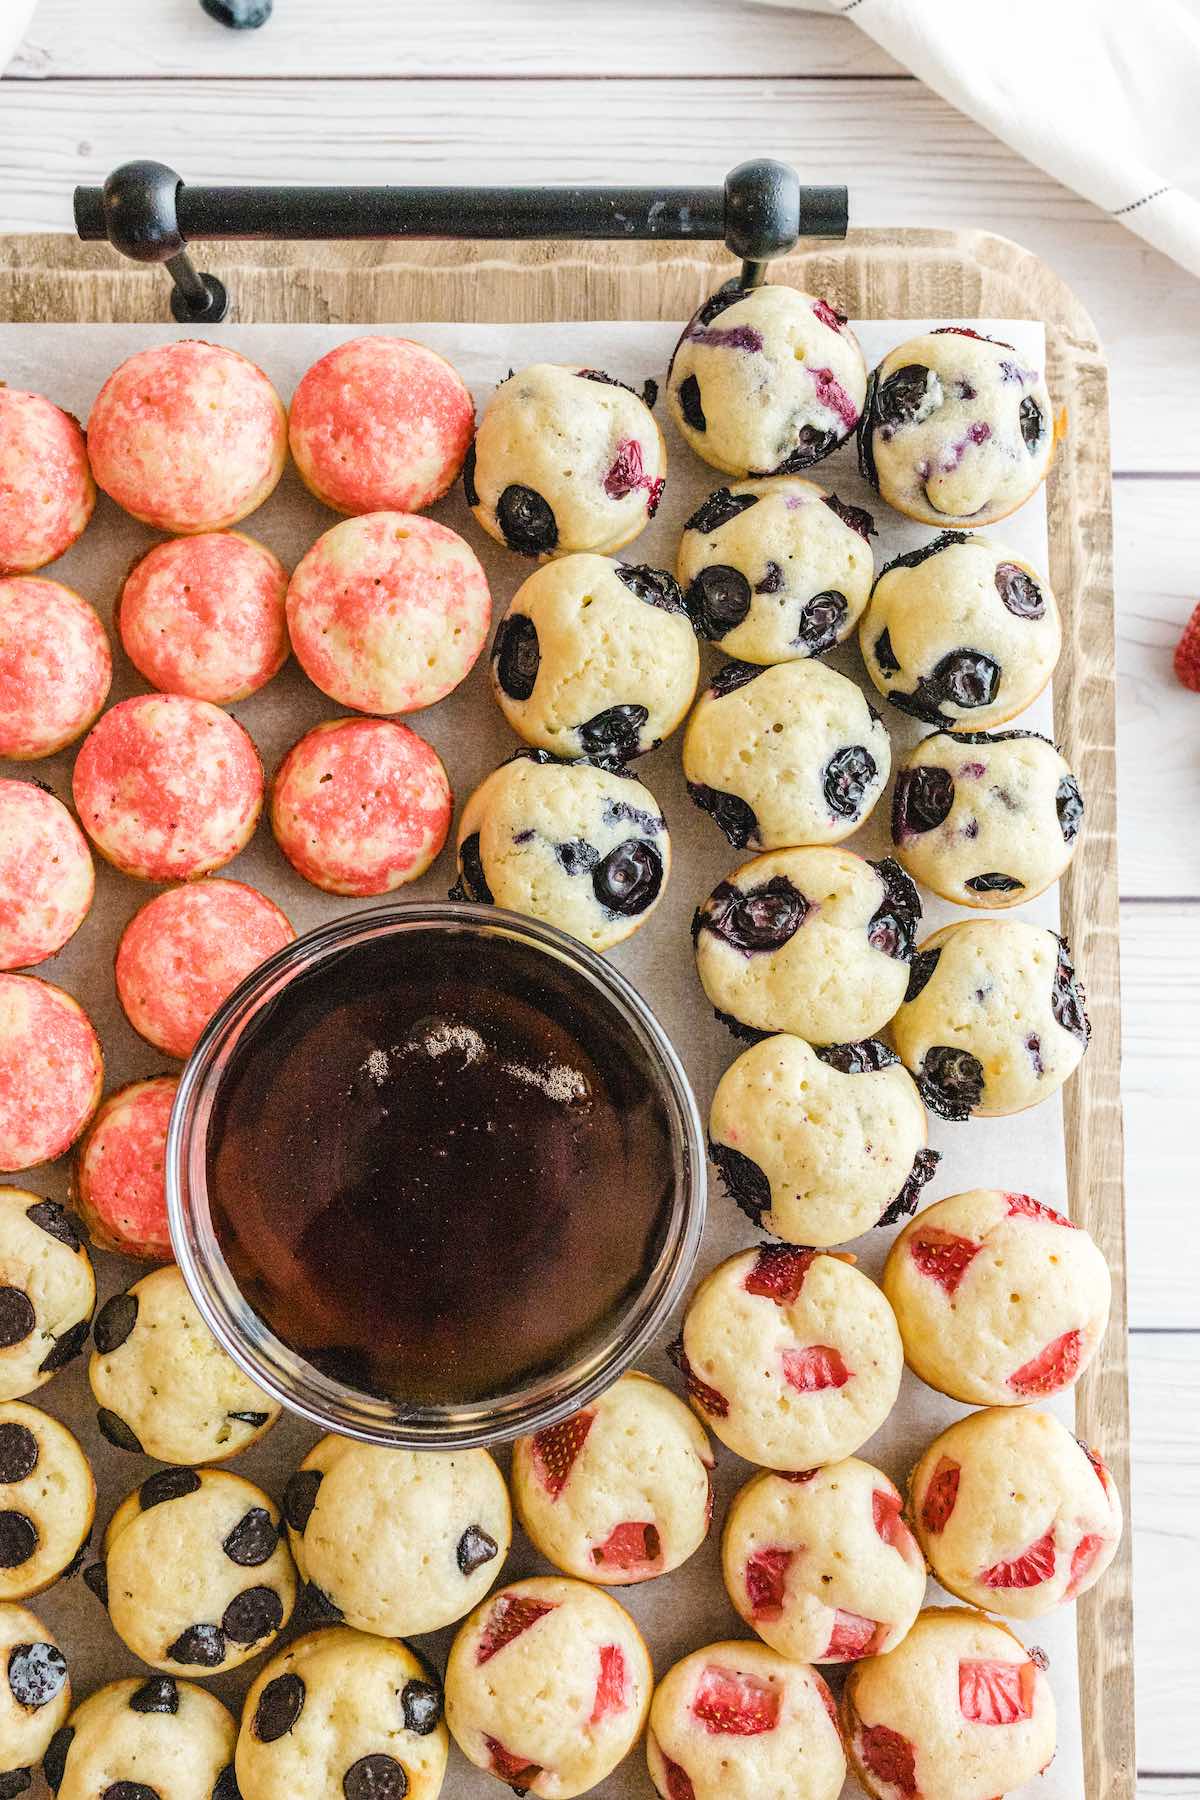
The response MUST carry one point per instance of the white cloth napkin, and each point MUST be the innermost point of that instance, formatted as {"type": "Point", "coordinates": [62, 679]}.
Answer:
{"type": "Point", "coordinates": [1103, 94]}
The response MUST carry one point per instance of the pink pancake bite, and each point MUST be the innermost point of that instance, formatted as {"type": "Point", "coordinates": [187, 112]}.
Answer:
{"type": "Point", "coordinates": [388, 612]}
{"type": "Point", "coordinates": [118, 1185]}
{"type": "Point", "coordinates": [46, 487]}
{"type": "Point", "coordinates": [186, 951]}
{"type": "Point", "coordinates": [168, 788]}
{"type": "Point", "coordinates": [51, 1071]}
{"type": "Point", "coordinates": [360, 806]}
{"type": "Point", "coordinates": [46, 875]}
{"type": "Point", "coordinates": [204, 616]}
{"type": "Point", "coordinates": [187, 436]}
{"type": "Point", "coordinates": [55, 666]}
{"type": "Point", "coordinates": [380, 425]}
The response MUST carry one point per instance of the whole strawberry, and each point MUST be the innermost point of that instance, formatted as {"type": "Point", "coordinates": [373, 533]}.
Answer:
{"type": "Point", "coordinates": [1187, 654]}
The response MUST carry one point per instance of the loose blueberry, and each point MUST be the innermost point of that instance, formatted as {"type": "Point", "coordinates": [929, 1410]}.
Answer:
{"type": "Point", "coordinates": [577, 856]}
{"type": "Point", "coordinates": [822, 620]}
{"type": "Point", "coordinates": [239, 15]}
{"type": "Point", "coordinates": [120, 1435]}
{"type": "Point", "coordinates": [1019, 592]}
{"type": "Point", "coordinates": [811, 446]}
{"type": "Point", "coordinates": [18, 1453]}
{"type": "Point", "coordinates": [200, 1646]}
{"type": "Point", "coordinates": [54, 1763]}
{"type": "Point", "coordinates": [315, 1604]}
{"type": "Point", "coordinates": [893, 928]}
{"type": "Point", "coordinates": [17, 1317]}
{"type": "Point", "coordinates": [718, 509]}
{"type": "Point", "coordinates": [921, 800]}
{"type": "Point", "coordinates": [475, 1548]}
{"type": "Point", "coordinates": [690, 404]}
{"type": "Point", "coordinates": [36, 1673]}
{"type": "Point", "coordinates": [1067, 999]}
{"type": "Point", "coordinates": [255, 1419]}
{"type": "Point", "coordinates": [763, 918]}
{"type": "Point", "coordinates": [252, 1615]}
{"type": "Point", "coordinates": [225, 1787]}
{"type": "Point", "coordinates": [526, 521]}
{"type": "Point", "coordinates": [158, 1695]}
{"type": "Point", "coordinates": [772, 581]}
{"type": "Point", "coordinates": [905, 1203]}
{"type": "Point", "coordinates": [743, 1180]}
{"type": "Point", "coordinates": [114, 1322]}
{"type": "Point", "coordinates": [902, 395]}
{"type": "Point", "coordinates": [867, 1056]}
{"type": "Point", "coordinates": [718, 599]}
{"type": "Point", "coordinates": [18, 1539]}
{"type": "Point", "coordinates": [300, 1494]}
{"type": "Point", "coordinates": [629, 878]}
{"type": "Point", "coordinates": [279, 1706]}
{"type": "Point", "coordinates": [168, 1484]}
{"type": "Point", "coordinates": [253, 1539]}
{"type": "Point", "coordinates": [993, 883]}
{"type": "Point", "coordinates": [468, 477]}
{"type": "Point", "coordinates": [885, 656]}
{"type": "Point", "coordinates": [421, 1704]}
{"type": "Point", "coordinates": [375, 1777]}
{"type": "Point", "coordinates": [951, 1082]}
{"type": "Point", "coordinates": [1068, 802]}
{"type": "Point", "coordinates": [735, 817]}
{"type": "Point", "coordinates": [856, 517]}
{"type": "Point", "coordinates": [472, 884]}
{"type": "Point", "coordinates": [617, 732]}
{"type": "Point", "coordinates": [655, 586]}
{"type": "Point", "coordinates": [845, 780]}
{"type": "Point", "coordinates": [95, 1579]}
{"type": "Point", "coordinates": [1032, 423]}
{"type": "Point", "coordinates": [130, 1790]}
{"type": "Point", "coordinates": [14, 1782]}
{"type": "Point", "coordinates": [731, 676]}
{"type": "Point", "coordinates": [517, 656]}
{"type": "Point", "coordinates": [923, 965]}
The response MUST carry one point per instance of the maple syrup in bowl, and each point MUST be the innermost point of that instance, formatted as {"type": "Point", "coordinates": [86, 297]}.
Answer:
{"type": "Point", "coordinates": [435, 1175]}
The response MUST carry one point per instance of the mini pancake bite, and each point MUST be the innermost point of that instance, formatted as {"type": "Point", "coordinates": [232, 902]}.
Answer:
{"type": "Point", "coordinates": [145, 1736]}
{"type": "Point", "coordinates": [187, 436]}
{"type": "Point", "coordinates": [960, 1711]}
{"type": "Point", "coordinates": [380, 424]}
{"type": "Point", "coordinates": [819, 1145]}
{"type": "Point", "coordinates": [960, 633]}
{"type": "Point", "coordinates": [1000, 1300]}
{"type": "Point", "coordinates": [185, 951]}
{"type": "Point", "coordinates": [51, 1071]}
{"type": "Point", "coordinates": [388, 612]}
{"type": "Point", "coordinates": [55, 666]}
{"type": "Point", "coordinates": [35, 1696]}
{"type": "Point", "coordinates": [620, 1492]}
{"type": "Point", "coordinates": [204, 616]}
{"type": "Point", "coordinates": [47, 1292]}
{"type": "Point", "coordinates": [816, 942]}
{"type": "Point", "coordinates": [736, 1721]}
{"type": "Point", "coordinates": [791, 754]}
{"type": "Point", "coordinates": [117, 1183]}
{"type": "Point", "coordinates": [993, 1019]}
{"type": "Point", "coordinates": [766, 380]}
{"type": "Point", "coordinates": [168, 788]}
{"type": "Point", "coordinates": [821, 1564]}
{"type": "Point", "coordinates": [548, 1686]}
{"type": "Point", "coordinates": [47, 1501]}
{"type": "Point", "coordinates": [595, 658]}
{"type": "Point", "coordinates": [777, 569]}
{"type": "Point", "coordinates": [46, 487]}
{"type": "Point", "coordinates": [46, 875]}
{"type": "Point", "coordinates": [361, 806]}
{"type": "Point", "coordinates": [164, 1386]}
{"type": "Point", "coordinates": [792, 1357]}
{"type": "Point", "coordinates": [1014, 1514]}
{"type": "Point", "coordinates": [565, 459]}
{"type": "Point", "coordinates": [955, 431]}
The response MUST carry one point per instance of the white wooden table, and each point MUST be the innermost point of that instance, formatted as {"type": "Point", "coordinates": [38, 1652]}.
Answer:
{"type": "Point", "coordinates": [661, 90]}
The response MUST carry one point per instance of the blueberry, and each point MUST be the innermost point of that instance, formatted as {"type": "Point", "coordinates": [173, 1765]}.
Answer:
{"type": "Point", "coordinates": [865, 432]}
{"type": "Point", "coordinates": [744, 1181]}
{"type": "Point", "coordinates": [745, 1034]}
{"type": "Point", "coordinates": [18, 1452]}
{"type": "Point", "coordinates": [921, 800]}
{"type": "Point", "coordinates": [1019, 592]}
{"type": "Point", "coordinates": [893, 928]}
{"type": "Point", "coordinates": [900, 396]}
{"type": "Point", "coordinates": [239, 15]}
{"type": "Point", "coordinates": [924, 1164]}
{"type": "Point", "coordinates": [468, 476]}
{"type": "Point", "coordinates": [18, 1539]}
{"type": "Point", "coordinates": [616, 732]}
{"type": "Point", "coordinates": [845, 780]}
{"type": "Point", "coordinates": [517, 656]}
{"type": "Point", "coordinates": [252, 1615]}
{"type": "Point", "coordinates": [718, 509]}
{"type": "Point", "coordinates": [968, 331]}
{"type": "Point", "coordinates": [279, 1706]}
{"type": "Point", "coordinates": [715, 305]}
{"type": "Point", "coordinates": [315, 1604]}
{"type": "Point", "coordinates": [114, 1322]}
{"type": "Point", "coordinates": [1068, 803]}
{"type": "Point", "coordinates": [131, 1790]}
{"type": "Point", "coordinates": [655, 586]}
{"type": "Point", "coordinates": [66, 1348]}
{"type": "Point", "coordinates": [912, 559]}
{"type": "Point", "coordinates": [821, 621]}
{"type": "Point", "coordinates": [1033, 1045]}
{"type": "Point", "coordinates": [56, 1222]}
{"type": "Point", "coordinates": [951, 1082]}
{"type": "Point", "coordinates": [735, 817]}
{"type": "Point", "coordinates": [54, 1763]}
{"type": "Point", "coordinates": [253, 1539]}
{"type": "Point", "coordinates": [869, 1055]}
{"type": "Point", "coordinates": [421, 1704]}
{"type": "Point", "coordinates": [256, 1419]}
{"type": "Point", "coordinates": [763, 918]}
{"type": "Point", "coordinates": [963, 678]}
{"type": "Point", "coordinates": [993, 883]}
{"type": "Point", "coordinates": [923, 965]}
{"type": "Point", "coordinates": [718, 599]}
{"type": "Point", "coordinates": [856, 517]}
{"type": "Point", "coordinates": [526, 521]}
{"type": "Point", "coordinates": [811, 446]}
{"type": "Point", "coordinates": [620, 812]}
{"type": "Point", "coordinates": [772, 581]}
{"type": "Point", "coordinates": [1032, 423]}
{"type": "Point", "coordinates": [158, 1695]}
{"type": "Point", "coordinates": [200, 1646]}
{"type": "Point", "coordinates": [376, 1777]}
{"type": "Point", "coordinates": [885, 656]}
{"type": "Point", "coordinates": [120, 1435]}
{"type": "Point", "coordinates": [577, 856]}
{"type": "Point", "coordinates": [225, 1787]}
{"type": "Point", "coordinates": [649, 392]}
{"type": "Point", "coordinates": [1067, 999]}
{"type": "Point", "coordinates": [168, 1484]}
{"type": "Point", "coordinates": [95, 1579]}
{"type": "Point", "coordinates": [300, 1494]}
{"type": "Point", "coordinates": [629, 878]}
{"type": "Point", "coordinates": [731, 676]}
{"type": "Point", "coordinates": [36, 1673]}
{"type": "Point", "coordinates": [14, 1782]}
{"type": "Point", "coordinates": [690, 404]}
{"type": "Point", "coordinates": [475, 1548]}
{"type": "Point", "coordinates": [17, 1317]}
{"type": "Point", "coordinates": [472, 884]}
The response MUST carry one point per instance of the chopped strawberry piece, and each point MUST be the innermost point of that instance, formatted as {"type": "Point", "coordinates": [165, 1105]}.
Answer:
{"type": "Point", "coordinates": [766, 1580]}
{"type": "Point", "coordinates": [832, 394]}
{"type": "Point", "coordinates": [816, 1367]}
{"type": "Point", "coordinates": [511, 1615]}
{"type": "Point", "coordinates": [513, 1769]}
{"type": "Point", "coordinates": [1030, 1569]}
{"type": "Point", "coordinates": [1187, 654]}
{"type": "Point", "coordinates": [628, 473]}
{"type": "Point", "coordinates": [1052, 1368]}
{"type": "Point", "coordinates": [940, 1495]}
{"type": "Point", "coordinates": [885, 1511]}
{"type": "Point", "coordinates": [943, 1255]}
{"type": "Point", "coordinates": [679, 1783]}
{"type": "Point", "coordinates": [1034, 1209]}
{"type": "Point", "coordinates": [629, 1546]}
{"type": "Point", "coordinates": [853, 1636]}
{"type": "Point", "coordinates": [799, 1476]}
{"type": "Point", "coordinates": [709, 1398]}
{"type": "Point", "coordinates": [889, 1757]}
{"type": "Point", "coordinates": [1084, 1559]}
{"type": "Point", "coordinates": [827, 1700]}
{"type": "Point", "coordinates": [778, 1273]}
{"type": "Point", "coordinates": [654, 493]}
{"type": "Point", "coordinates": [612, 1684]}
{"type": "Point", "coordinates": [734, 1704]}
{"type": "Point", "coordinates": [555, 1450]}
{"type": "Point", "coordinates": [1099, 1465]}
{"type": "Point", "coordinates": [828, 315]}
{"type": "Point", "coordinates": [996, 1693]}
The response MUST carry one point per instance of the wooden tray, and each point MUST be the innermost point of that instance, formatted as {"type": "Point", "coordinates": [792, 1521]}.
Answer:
{"type": "Point", "coordinates": [874, 274]}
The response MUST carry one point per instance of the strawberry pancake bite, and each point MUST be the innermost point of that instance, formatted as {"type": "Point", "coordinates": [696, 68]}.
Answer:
{"type": "Point", "coordinates": [188, 436]}
{"type": "Point", "coordinates": [55, 666]}
{"type": "Point", "coordinates": [1013, 1513]}
{"type": "Point", "coordinates": [168, 788]}
{"type": "Point", "coordinates": [388, 612]}
{"type": "Point", "coordinates": [380, 425]}
{"type": "Point", "coordinates": [204, 616]}
{"type": "Point", "coordinates": [117, 1184]}
{"type": "Point", "coordinates": [738, 1722]}
{"type": "Point", "coordinates": [46, 875]}
{"type": "Point", "coordinates": [46, 487]}
{"type": "Point", "coordinates": [186, 951]}
{"type": "Point", "coordinates": [360, 806]}
{"type": "Point", "coordinates": [961, 1711]}
{"type": "Point", "coordinates": [51, 1071]}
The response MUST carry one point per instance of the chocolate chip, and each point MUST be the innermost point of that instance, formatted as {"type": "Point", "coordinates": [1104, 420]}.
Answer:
{"type": "Point", "coordinates": [14, 1782]}
{"type": "Point", "coordinates": [168, 1484]}
{"type": "Point", "coordinates": [158, 1695]}
{"type": "Point", "coordinates": [761, 919]}
{"type": "Point", "coordinates": [421, 1704]}
{"type": "Point", "coordinates": [845, 780]}
{"type": "Point", "coordinates": [255, 1419]}
{"type": "Point", "coordinates": [628, 880]}
{"type": "Point", "coordinates": [735, 816]}
{"type": "Point", "coordinates": [18, 1539]}
{"type": "Point", "coordinates": [690, 403]}
{"type": "Point", "coordinates": [316, 1604]}
{"type": "Point", "coordinates": [718, 599]}
{"type": "Point", "coordinates": [993, 883]}
{"type": "Point", "coordinates": [65, 1348]}
{"type": "Point", "coordinates": [654, 586]}
{"type": "Point", "coordinates": [924, 1164]}
{"type": "Point", "coordinates": [617, 731]}
{"type": "Point", "coordinates": [719, 508]}
{"type": "Point", "coordinates": [475, 1547]}
{"type": "Point", "coordinates": [225, 1787]}
{"type": "Point", "coordinates": [743, 1180]}
{"type": "Point", "coordinates": [95, 1579]}
{"type": "Point", "coordinates": [36, 1673]}
{"type": "Point", "coordinates": [867, 1056]}
{"type": "Point", "coordinates": [733, 675]}
{"type": "Point", "coordinates": [114, 1322]}
{"type": "Point", "coordinates": [856, 517]}
{"type": "Point", "coordinates": [821, 621]}
{"type": "Point", "coordinates": [17, 1317]}
{"type": "Point", "coordinates": [300, 1495]}
{"type": "Point", "coordinates": [200, 1646]}
{"type": "Point", "coordinates": [375, 1777]}
{"type": "Point", "coordinates": [1068, 802]}
{"type": "Point", "coordinates": [253, 1540]}
{"type": "Point", "coordinates": [951, 1081]}
{"type": "Point", "coordinates": [1032, 423]}
{"type": "Point", "coordinates": [516, 655]}
{"type": "Point", "coordinates": [56, 1222]}
{"type": "Point", "coordinates": [54, 1763]}
{"type": "Point", "coordinates": [1020, 592]}
{"type": "Point", "coordinates": [472, 883]}
{"type": "Point", "coordinates": [526, 521]}
{"type": "Point", "coordinates": [113, 1427]}
{"type": "Point", "coordinates": [468, 476]}
{"type": "Point", "coordinates": [18, 1452]}
{"type": "Point", "coordinates": [279, 1706]}
{"type": "Point", "coordinates": [129, 1790]}
{"type": "Point", "coordinates": [253, 1614]}
{"type": "Point", "coordinates": [921, 800]}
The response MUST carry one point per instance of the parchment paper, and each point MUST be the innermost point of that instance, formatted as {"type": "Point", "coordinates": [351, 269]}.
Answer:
{"type": "Point", "coordinates": [684, 1610]}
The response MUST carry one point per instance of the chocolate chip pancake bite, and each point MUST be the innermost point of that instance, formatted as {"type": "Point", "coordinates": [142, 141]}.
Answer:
{"type": "Point", "coordinates": [766, 380]}
{"type": "Point", "coordinates": [46, 487]}
{"type": "Point", "coordinates": [584, 848]}
{"type": "Point", "coordinates": [736, 1721]}
{"type": "Point", "coordinates": [204, 616]}
{"type": "Point", "coordinates": [620, 1492]}
{"type": "Point", "coordinates": [993, 1020]}
{"type": "Point", "coordinates": [47, 1500]}
{"type": "Point", "coordinates": [46, 874]}
{"type": "Point", "coordinates": [51, 1071]}
{"type": "Point", "coordinates": [595, 658]}
{"type": "Point", "coordinates": [55, 666]}
{"type": "Point", "coordinates": [791, 754]}
{"type": "Point", "coordinates": [816, 942]}
{"type": "Point", "coordinates": [999, 1299]}
{"type": "Point", "coordinates": [1014, 1514]}
{"type": "Point", "coordinates": [821, 1564]}
{"type": "Point", "coordinates": [565, 459]}
{"type": "Point", "coordinates": [777, 569]}
{"type": "Point", "coordinates": [342, 1716]}
{"type": "Point", "coordinates": [960, 633]}
{"type": "Point", "coordinates": [47, 1292]}
{"type": "Point", "coordinates": [145, 1739]}
{"type": "Point", "coordinates": [960, 1711]}
{"type": "Point", "coordinates": [35, 1695]}
{"type": "Point", "coordinates": [819, 1145]}
{"type": "Point", "coordinates": [118, 1186]}
{"type": "Point", "coordinates": [792, 1357]}
{"type": "Point", "coordinates": [548, 1686]}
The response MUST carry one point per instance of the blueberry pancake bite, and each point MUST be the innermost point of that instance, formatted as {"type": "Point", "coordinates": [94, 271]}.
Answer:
{"type": "Point", "coordinates": [955, 431]}
{"type": "Point", "coordinates": [816, 942]}
{"type": "Point", "coordinates": [1014, 1514]}
{"type": "Point", "coordinates": [775, 570]}
{"type": "Point", "coordinates": [47, 1500]}
{"type": "Point", "coordinates": [993, 1020]}
{"type": "Point", "coordinates": [792, 1357]}
{"type": "Point", "coordinates": [196, 1575]}
{"type": "Point", "coordinates": [148, 1738]}
{"type": "Point", "coordinates": [791, 754]}
{"type": "Point", "coordinates": [342, 1716]}
{"type": "Point", "coordinates": [565, 459]}
{"type": "Point", "coordinates": [47, 1292]}
{"type": "Point", "coordinates": [766, 380]}
{"type": "Point", "coordinates": [35, 1696]}
{"type": "Point", "coordinates": [584, 848]}
{"type": "Point", "coordinates": [595, 658]}
{"type": "Point", "coordinates": [55, 666]}
{"type": "Point", "coordinates": [46, 874]}
{"type": "Point", "coordinates": [548, 1686]}
{"type": "Point", "coordinates": [987, 821]}
{"type": "Point", "coordinates": [1000, 1300]}
{"type": "Point", "coordinates": [821, 1564]}
{"type": "Point", "coordinates": [960, 633]}
{"type": "Point", "coordinates": [164, 1386]}
{"type": "Point", "coordinates": [620, 1492]}
{"type": "Point", "coordinates": [397, 1541]}
{"type": "Point", "coordinates": [204, 616]}
{"type": "Point", "coordinates": [736, 1721]}
{"type": "Point", "coordinates": [818, 1145]}
{"type": "Point", "coordinates": [46, 487]}
{"type": "Point", "coordinates": [118, 1184]}
{"type": "Point", "coordinates": [960, 1711]}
